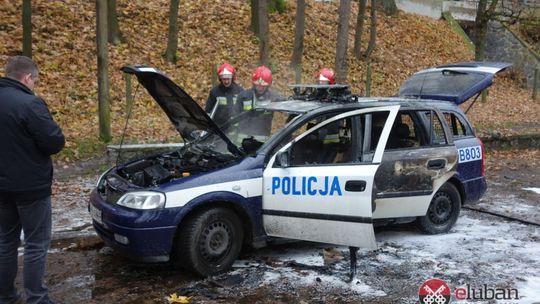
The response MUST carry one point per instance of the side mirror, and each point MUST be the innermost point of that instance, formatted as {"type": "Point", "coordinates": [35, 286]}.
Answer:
{"type": "Point", "coordinates": [282, 159]}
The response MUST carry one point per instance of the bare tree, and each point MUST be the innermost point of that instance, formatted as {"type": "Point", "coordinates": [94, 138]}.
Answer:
{"type": "Point", "coordinates": [255, 17]}
{"type": "Point", "coordinates": [264, 36]}
{"type": "Point", "coordinates": [114, 35]}
{"type": "Point", "coordinates": [298, 47]}
{"type": "Point", "coordinates": [172, 40]}
{"type": "Point", "coordinates": [27, 28]}
{"type": "Point", "coordinates": [373, 30]}
{"type": "Point", "coordinates": [483, 15]}
{"type": "Point", "coordinates": [342, 40]}
{"type": "Point", "coordinates": [371, 45]}
{"type": "Point", "coordinates": [359, 29]}
{"type": "Point", "coordinates": [504, 11]}
{"type": "Point", "coordinates": [102, 74]}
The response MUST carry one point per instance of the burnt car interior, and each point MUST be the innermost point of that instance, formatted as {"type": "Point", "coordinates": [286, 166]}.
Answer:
{"type": "Point", "coordinates": [326, 145]}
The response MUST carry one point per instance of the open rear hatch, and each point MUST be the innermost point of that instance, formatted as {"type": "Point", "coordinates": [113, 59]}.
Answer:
{"type": "Point", "coordinates": [453, 82]}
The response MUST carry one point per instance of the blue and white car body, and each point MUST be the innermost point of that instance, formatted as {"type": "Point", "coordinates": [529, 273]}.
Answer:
{"type": "Point", "coordinates": [457, 83]}
{"type": "Point", "coordinates": [323, 172]}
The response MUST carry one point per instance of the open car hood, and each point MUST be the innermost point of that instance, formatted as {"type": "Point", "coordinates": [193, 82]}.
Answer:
{"type": "Point", "coordinates": [453, 82]}
{"type": "Point", "coordinates": [188, 117]}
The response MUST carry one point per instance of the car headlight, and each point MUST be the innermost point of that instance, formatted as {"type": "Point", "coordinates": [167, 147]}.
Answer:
{"type": "Point", "coordinates": [143, 200]}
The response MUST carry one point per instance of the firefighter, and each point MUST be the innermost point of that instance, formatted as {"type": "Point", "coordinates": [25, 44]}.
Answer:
{"type": "Point", "coordinates": [326, 76]}
{"type": "Point", "coordinates": [260, 125]}
{"type": "Point", "coordinates": [330, 136]}
{"type": "Point", "coordinates": [260, 92]}
{"type": "Point", "coordinates": [222, 98]}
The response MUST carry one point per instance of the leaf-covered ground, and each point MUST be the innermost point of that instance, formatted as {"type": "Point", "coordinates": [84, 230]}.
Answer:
{"type": "Point", "coordinates": [212, 31]}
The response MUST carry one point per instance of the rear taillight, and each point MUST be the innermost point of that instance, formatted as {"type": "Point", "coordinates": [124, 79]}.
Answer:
{"type": "Point", "coordinates": [482, 166]}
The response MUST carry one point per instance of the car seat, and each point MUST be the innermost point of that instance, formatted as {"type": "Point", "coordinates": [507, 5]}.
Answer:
{"type": "Point", "coordinates": [399, 137]}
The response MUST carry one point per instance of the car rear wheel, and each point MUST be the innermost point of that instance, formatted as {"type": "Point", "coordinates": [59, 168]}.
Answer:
{"type": "Point", "coordinates": [209, 242]}
{"type": "Point", "coordinates": [443, 211]}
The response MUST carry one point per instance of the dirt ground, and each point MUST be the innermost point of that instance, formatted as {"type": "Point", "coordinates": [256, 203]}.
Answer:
{"type": "Point", "coordinates": [480, 249]}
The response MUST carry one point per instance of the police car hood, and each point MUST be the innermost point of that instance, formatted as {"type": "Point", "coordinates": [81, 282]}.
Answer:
{"type": "Point", "coordinates": [453, 82]}
{"type": "Point", "coordinates": [188, 117]}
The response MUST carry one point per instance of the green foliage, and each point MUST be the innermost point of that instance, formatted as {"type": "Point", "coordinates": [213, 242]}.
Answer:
{"type": "Point", "coordinates": [83, 148]}
{"type": "Point", "coordinates": [276, 5]}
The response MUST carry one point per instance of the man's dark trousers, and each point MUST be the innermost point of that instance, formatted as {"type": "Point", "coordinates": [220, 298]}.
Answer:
{"type": "Point", "coordinates": [34, 218]}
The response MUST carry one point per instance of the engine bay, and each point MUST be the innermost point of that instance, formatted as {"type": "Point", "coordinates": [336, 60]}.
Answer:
{"type": "Point", "coordinates": [162, 168]}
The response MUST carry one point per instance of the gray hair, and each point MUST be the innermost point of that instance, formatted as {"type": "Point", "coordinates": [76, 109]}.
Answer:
{"type": "Point", "coordinates": [18, 66]}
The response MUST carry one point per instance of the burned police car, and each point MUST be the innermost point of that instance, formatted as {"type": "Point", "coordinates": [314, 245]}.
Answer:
{"type": "Point", "coordinates": [307, 168]}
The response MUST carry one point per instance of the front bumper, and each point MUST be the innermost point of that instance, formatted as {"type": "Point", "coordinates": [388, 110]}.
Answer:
{"type": "Point", "coordinates": [143, 235]}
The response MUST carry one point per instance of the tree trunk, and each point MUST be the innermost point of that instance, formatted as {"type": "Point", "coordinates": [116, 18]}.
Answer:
{"type": "Point", "coordinates": [102, 72]}
{"type": "Point", "coordinates": [172, 40]}
{"type": "Point", "coordinates": [359, 29]}
{"type": "Point", "coordinates": [389, 7]}
{"type": "Point", "coordinates": [298, 47]}
{"type": "Point", "coordinates": [373, 30]}
{"type": "Point", "coordinates": [27, 28]}
{"type": "Point", "coordinates": [255, 17]}
{"type": "Point", "coordinates": [342, 41]}
{"type": "Point", "coordinates": [368, 78]}
{"type": "Point", "coordinates": [480, 30]}
{"type": "Point", "coordinates": [483, 15]}
{"type": "Point", "coordinates": [112, 22]}
{"type": "Point", "coordinates": [264, 39]}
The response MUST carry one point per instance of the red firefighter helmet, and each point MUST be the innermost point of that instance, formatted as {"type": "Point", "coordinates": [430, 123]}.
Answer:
{"type": "Point", "coordinates": [226, 70]}
{"type": "Point", "coordinates": [262, 76]}
{"type": "Point", "coordinates": [326, 76]}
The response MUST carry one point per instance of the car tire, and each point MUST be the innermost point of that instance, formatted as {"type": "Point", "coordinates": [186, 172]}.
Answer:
{"type": "Point", "coordinates": [209, 242]}
{"type": "Point", "coordinates": [443, 211]}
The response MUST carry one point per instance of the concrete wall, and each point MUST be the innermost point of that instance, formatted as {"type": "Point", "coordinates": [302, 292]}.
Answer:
{"type": "Point", "coordinates": [429, 8]}
{"type": "Point", "coordinates": [461, 10]}
{"type": "Point", "coordinates": [502, 45]}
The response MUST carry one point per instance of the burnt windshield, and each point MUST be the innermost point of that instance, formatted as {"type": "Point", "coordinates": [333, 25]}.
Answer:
{"type": "Point", "coordinates": [248, 131]}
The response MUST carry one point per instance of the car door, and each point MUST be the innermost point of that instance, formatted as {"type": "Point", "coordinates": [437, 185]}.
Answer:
{"type": "Point", "coordinates": [415, 164]}
{"type": "Point", "coordinates": [311, 193]}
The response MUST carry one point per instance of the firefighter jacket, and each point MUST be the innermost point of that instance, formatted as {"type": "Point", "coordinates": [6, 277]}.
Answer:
{"type": "Point", "coordinates": [221, 102]}
{"type": "Point", "coordinates": [247, 100]}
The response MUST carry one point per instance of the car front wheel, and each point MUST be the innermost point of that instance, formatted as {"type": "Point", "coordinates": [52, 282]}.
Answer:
{"type": "Point", "coordinates": [443, 211]}
{"type": "Point", "coordinates": [209, 242]}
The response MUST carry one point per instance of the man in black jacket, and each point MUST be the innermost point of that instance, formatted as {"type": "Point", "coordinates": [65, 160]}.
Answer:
{"type": "Point", "coordinates": [222, 98]}
{"type": "Point", "coordinates": [29, 137]}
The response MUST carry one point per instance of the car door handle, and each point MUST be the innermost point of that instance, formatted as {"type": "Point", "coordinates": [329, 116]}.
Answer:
{"type": "Point", "coordinates": [436, 164]}
{"type": "Point", "coordinates": [355, 186]}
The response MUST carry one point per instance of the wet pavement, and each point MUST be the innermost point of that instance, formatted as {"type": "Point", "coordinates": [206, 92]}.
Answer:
{"type": "Point", "coordinates": [480, 249]}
